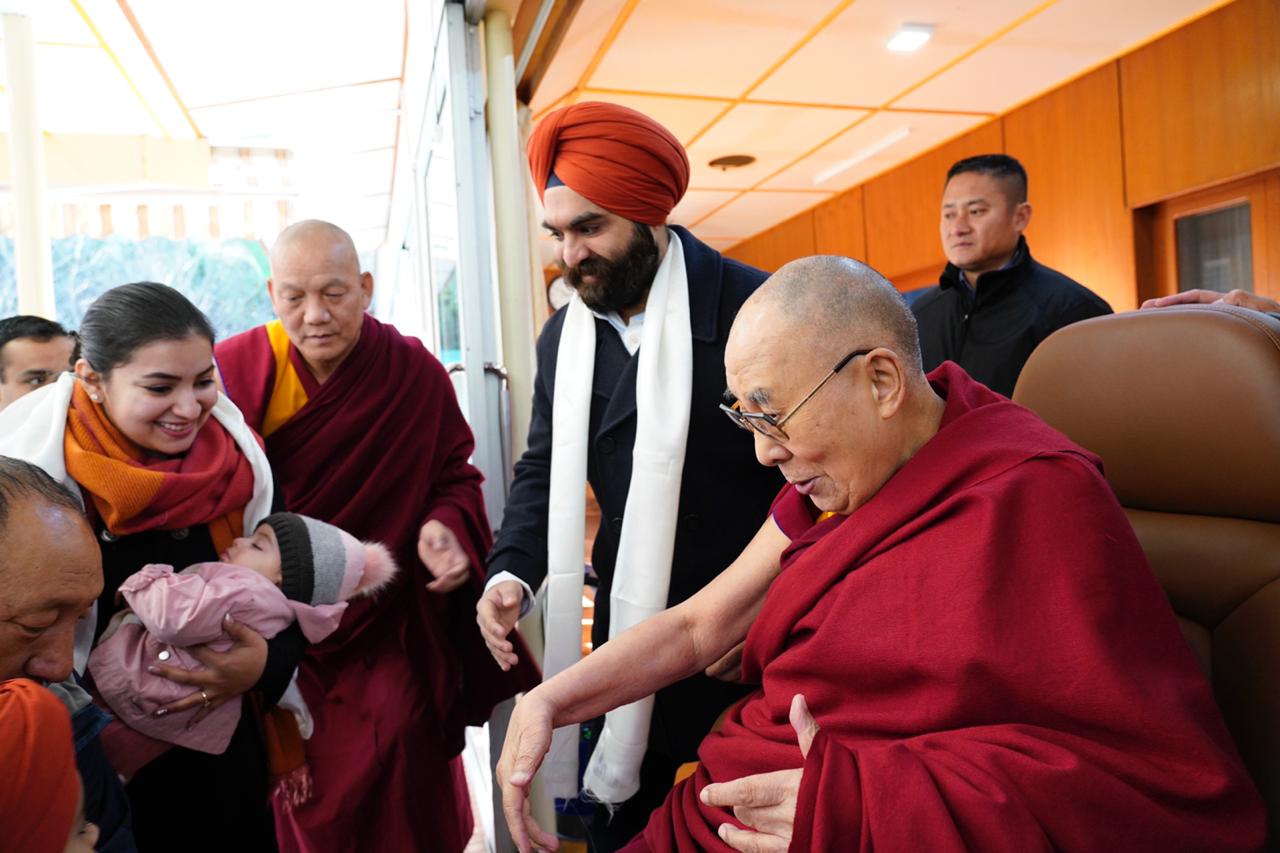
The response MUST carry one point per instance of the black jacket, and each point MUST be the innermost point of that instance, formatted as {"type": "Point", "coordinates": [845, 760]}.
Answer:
{"type": "Point", "coordinates": [232, 785]}
{"type": "Point", "coordinates": [725, 493]}
{"type": "Point", "coordinates": [993, 333]}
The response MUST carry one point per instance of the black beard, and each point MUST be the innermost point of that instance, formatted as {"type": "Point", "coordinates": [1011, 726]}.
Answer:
{"type": "Point", "coordinates": [620, 283]}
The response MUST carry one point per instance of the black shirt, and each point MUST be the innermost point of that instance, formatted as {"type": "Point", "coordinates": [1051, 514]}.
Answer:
{"type": "Point", "coordinates": [992, 332]}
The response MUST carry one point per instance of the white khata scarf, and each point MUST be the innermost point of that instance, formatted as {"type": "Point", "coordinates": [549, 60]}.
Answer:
{"type": "Point", "coordinates": [642, 575]}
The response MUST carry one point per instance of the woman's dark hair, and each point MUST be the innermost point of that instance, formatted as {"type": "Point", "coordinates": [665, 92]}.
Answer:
{"type": "Point", "coordinates": [134, 315]}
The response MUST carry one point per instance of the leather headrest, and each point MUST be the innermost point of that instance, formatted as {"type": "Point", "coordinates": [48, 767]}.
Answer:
{"type": "Point", "coordinates": [1181, 403]}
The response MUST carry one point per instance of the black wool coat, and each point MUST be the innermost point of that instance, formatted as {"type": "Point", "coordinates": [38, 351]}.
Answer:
{"type": "Point", "coordinates": [725, 493]}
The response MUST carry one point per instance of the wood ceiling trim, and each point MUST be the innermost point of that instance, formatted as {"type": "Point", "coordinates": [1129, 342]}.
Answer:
{"type": "Point", "coordinates": [315, 91]}
{"type": "Point", "coordinates": [395, 139]}
{"type": "Point", "coordinates": [544, 51]}
{"type": "Point", "coordinates": [809, 36]}
{"type": "Point", "coordinates": [766, 102]}
{"type": "Point", "coordinates": [155, 60]}
{"type": "Point", "coordinates": [115, 60]}
{"type": "Point", "coordinates": [610, 37]}
{"type": "Point", "coordinates": [983, 43]}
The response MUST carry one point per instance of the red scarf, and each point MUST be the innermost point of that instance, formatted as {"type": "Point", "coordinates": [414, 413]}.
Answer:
{"type": "Point", "coordinates": [209, 484]}
{"type": "Point", "coordinates": [991, 663]}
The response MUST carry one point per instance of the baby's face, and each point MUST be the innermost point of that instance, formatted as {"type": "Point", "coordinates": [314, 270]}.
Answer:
{"type": "Point", "coordinates": [259, 551]}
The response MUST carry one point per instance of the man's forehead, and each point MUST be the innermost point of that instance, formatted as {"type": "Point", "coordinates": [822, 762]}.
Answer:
{"type": "Point", "coordinates": [563, 205]}
{"type": "Point", "coordinates": [57, 348]}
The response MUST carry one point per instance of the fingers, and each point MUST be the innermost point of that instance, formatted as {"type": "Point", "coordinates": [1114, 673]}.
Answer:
{"type": "Point", "coordinates": [1187, 297]}
{"type": "Point", "coordinates": [450, 579]}
{"type": "Point", "coordinates": [752, 791]}
{"type": "Point", "coordinates": [495, 636]}
{"type": "Point", "coordinates": [515, 808]}
{"type": "Point", "coordinates": [187, 703]}
{"type": "Point", "coordinates": [803, 722]}
{"type": "Point", "coordinates": [194, 678]}
{"type": "Point", "coordinates": [1245, 299]}
{"type": "Point", "coordinates": [751, 842]}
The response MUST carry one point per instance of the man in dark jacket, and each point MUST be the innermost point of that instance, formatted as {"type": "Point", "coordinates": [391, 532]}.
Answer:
{"type": "Point", "coordinates": [609, 177]}
{"type": "Point", "coordinates": [994, 303]}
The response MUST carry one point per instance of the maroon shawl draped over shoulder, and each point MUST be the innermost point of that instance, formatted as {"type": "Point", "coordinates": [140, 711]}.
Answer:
{"type": "Point", "coordinates": [992, 664]}
{"type": "Point", "coordinates": [380, 449]}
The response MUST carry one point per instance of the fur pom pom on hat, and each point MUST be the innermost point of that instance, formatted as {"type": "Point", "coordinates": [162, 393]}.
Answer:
{"type": "Point", "coordinates": [321, 564]}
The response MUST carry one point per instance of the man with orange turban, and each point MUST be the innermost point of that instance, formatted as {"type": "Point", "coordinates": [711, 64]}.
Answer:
{"type": "Point", "coordinates": [41, 807]}
{"type": "Point", "coordinates": [634, 413]}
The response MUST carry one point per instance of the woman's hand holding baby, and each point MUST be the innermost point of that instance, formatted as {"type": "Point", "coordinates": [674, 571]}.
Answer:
{"type": "Point", "coordinates": [226, 675]}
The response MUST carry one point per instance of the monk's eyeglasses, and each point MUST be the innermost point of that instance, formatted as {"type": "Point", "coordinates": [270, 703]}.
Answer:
{"type": "Point", "coordinates": [770, 426]}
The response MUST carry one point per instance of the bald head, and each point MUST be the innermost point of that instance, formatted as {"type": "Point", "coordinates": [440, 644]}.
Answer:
{"type": "Point", "coordinates": [319, 293]}
{"type": "Point", "coordinates": [826, 352]}
{"type": "Point", "coordinates": [835, 304]}
{"type": "Point", "coordinates": [316, 235]}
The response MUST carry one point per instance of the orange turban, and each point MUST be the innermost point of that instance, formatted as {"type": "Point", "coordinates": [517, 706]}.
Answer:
{"type": "Point", "coordinates": [39, 786]}
{"type": "Point", "coordinates": [616, 158]}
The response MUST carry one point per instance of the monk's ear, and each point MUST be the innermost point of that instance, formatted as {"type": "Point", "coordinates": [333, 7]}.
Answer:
{"type": "Point", "coordinates": [271, 293]}
{"type": "Point", "coordinates": [366, 288]}
{"type": "Point", "coordinates": [888, 377]}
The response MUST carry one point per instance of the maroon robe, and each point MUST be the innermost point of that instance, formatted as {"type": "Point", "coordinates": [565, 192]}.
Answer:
{"type": "Point", "coordinates": [380, 449]}
{"type": "Point", "coordinates": [992, 664]}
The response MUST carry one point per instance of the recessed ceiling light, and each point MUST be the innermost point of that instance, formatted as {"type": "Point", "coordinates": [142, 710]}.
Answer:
{"type": "Point", "coordinates": [910, 37]}
{"type": "Point", "coordinates": [732, 161]}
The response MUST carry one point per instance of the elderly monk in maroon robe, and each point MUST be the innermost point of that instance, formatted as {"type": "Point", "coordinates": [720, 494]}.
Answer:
{"type": "Point", "coordinates": [363, 431]}
{"type": "Point", "coordinates": [965, 647]}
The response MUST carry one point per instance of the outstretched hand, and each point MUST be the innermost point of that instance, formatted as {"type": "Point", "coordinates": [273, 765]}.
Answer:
{"type": "Point", "coordinates": [497, 612]}
{"type": "Point", "coordinates": [1241, 298]}
{"type": "Point", "coordinates": [528, 739]}
{"type": "Point", "coordinates": [765, 802]}
{"type": "Point", "coordinates": [441, 553]}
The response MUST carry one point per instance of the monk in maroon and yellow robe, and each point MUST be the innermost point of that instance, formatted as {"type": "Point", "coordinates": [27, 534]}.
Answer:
{"type": "Point", "coordinates": [378, 448]}
{"type": "Point", "coordinates": [987, 659]}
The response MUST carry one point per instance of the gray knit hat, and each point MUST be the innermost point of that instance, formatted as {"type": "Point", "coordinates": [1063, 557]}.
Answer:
{"type": "Point", "coordinates": [321, 564]}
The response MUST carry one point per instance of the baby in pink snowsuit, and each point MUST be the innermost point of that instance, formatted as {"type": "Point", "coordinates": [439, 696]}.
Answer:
{"type": "Point", "coordinates": [290, 568]}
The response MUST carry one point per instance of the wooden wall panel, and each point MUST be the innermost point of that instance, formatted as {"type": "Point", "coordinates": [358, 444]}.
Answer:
{"type": "Point", "coordinates": [839, 226]}
{"type": "Point", "coordinates": [1070, 143]}
{"type": "Point", "coordinates": [1202, 104]}
{"type": "Point", "coordinates": [902, 206]}
{"type": "Point", "coordinates": [773, 248]}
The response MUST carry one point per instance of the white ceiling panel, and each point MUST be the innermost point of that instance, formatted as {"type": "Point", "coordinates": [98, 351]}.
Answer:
{"type": "Point", "coordinates": [685, 117]}
{"type": "Point", "coordinates": [276, 47]}
{"type": "Point", "coordinates": [80, 91]}
{"type": "Point", "coordinates": [712, 47]}
{"type": "Point", "coordinates": [697, 204]}
{"type": "Point", "coordinates": [346, 175]}
{"type": "Point", "coordinates": [1057, 44]}
{"type": "Point", "coordinates": [352, 119]}
{"type": "Point", "coordinates": [754, 212]}
{"type": "Point", "coordinates": [772, 134]}
{"type": "Point", "coordinates": [927, 130]}
{"type": "Point", "coordinates": [590, 25]}
{"type": "Point", "coordinates": [848, 63]}
{"type": "Point", "coordinates": [59, 23]}
{"type": "Point", "coordinates": [350, 214]}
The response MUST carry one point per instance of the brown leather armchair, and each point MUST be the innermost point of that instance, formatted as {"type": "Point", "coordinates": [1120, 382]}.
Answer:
{"type": "Point", "coordinates": [1183, 406]}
